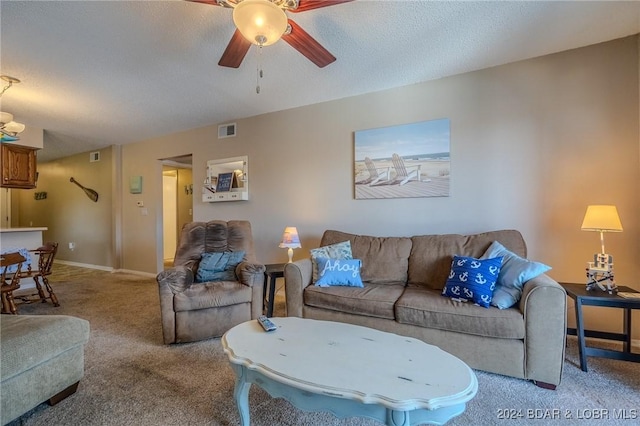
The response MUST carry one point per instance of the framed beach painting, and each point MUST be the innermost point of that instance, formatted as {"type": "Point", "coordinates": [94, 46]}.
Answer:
{"type": "Point", "coordinates": [406, 161]}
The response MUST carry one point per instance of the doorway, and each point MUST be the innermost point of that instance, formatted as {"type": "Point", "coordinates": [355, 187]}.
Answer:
{"type": "Point", "coordinates": [177, 203]}
{"type": "Point", "coordinates": [169, 214]}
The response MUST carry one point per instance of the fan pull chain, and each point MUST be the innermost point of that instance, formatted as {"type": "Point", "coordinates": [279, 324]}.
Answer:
{"type": "Point", "coordinates": [259, 69]}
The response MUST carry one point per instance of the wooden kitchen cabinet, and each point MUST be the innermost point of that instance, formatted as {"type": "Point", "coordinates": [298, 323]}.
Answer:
{"type": "Point", "coordinates": [18, 166]}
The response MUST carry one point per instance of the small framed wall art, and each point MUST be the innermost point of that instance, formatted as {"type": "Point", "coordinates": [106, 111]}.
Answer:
{"type": "Point", "coordinates": [135, 185]}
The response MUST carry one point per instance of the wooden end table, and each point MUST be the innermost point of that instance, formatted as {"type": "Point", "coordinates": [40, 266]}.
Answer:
{"type": "Point", "coordinates": [582, 297]}
{"type": "Point", "coordinates": [272, 272]}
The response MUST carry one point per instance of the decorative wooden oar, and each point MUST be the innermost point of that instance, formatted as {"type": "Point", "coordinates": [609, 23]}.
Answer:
{"type": "Point", "coordinates": [93, 195]}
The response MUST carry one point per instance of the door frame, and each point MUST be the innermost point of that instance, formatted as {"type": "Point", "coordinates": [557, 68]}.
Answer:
{"type": "Point", "coordinates": [160, 217]}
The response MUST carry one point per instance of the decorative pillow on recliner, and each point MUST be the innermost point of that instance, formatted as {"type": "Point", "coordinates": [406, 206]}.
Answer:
{"type": "Point", "coordinates": [334, 251]}
{"type": "Point", "coordinates": [514, 273]}
{"type": "Point", "coordinates": [472, 279]}
{"type": "Point", "coordinates": [335, 272]}
{"type": "Point", "coordinates": [218, 266]}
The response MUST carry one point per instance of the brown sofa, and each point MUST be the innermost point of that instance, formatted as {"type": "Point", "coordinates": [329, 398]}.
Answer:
{"type": "Point", "coordinates": [403, 280]}
{"type": "Point", "coordinates": [193, 310]}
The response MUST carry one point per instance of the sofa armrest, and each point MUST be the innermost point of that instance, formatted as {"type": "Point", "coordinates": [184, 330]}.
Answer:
{"type": "Point", "coordinates": [176, 279]}
{"type": "Point", "coordinates": [544, 306]}
{"type": "Point", "coordinates": [252, 275]}
{"type": "Point", "coordinates": [170, 282]}
{"type": "Point", "coordinates": [297, 276]}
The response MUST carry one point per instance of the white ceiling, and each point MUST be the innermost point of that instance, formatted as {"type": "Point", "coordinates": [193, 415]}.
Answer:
{"type": "Point", "coordinates": [100, 73]}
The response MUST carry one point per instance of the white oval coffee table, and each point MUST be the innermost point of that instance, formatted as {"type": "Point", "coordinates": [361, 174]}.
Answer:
{"type": "Point", "coordinates": [348, 370]}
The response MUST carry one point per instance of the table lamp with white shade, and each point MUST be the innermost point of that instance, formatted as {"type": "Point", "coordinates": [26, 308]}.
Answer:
{"type": "Point", "coordinates": [601, 218]}
{"type": "Point", "coordinates": [290, 240]}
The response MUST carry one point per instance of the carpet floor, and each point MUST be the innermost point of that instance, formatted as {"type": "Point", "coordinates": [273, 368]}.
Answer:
{"type": "Point", "coordinates": [131, 378]}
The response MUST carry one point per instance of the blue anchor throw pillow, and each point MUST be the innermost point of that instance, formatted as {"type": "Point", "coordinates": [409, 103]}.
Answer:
{"type": "Point", "coordinates": [472, 279]}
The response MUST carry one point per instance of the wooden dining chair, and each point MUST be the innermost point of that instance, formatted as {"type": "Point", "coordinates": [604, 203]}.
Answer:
{"type": "Point", "coordinates": [45, 254]}
{"type": "Point", "coordinates": [10, 280]}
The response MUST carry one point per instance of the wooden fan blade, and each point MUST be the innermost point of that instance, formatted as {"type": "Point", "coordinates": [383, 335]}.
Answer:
{"type": "Point", "coordinates": [304, 5]}
{"type": "Point", "coordinates": [300, 40]}
{"type": "Point", "coordinates": [211, 2]}
{"type": "Point", "coordinates": [235, 51]}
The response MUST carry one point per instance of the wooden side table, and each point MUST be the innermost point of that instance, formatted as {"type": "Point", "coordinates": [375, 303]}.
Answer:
{"type": "Point", "coordinates": [582, 297]}
{"type": "Point", "coordinates": [272, 272]}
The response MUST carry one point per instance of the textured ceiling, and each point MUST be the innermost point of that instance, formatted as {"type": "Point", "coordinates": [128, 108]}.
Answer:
{"type": "Point", "coordinates": [100, 73]}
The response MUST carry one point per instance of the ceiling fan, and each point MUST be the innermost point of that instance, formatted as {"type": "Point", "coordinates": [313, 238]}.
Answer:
{"type": "Point", "coordinates": [263, 22]}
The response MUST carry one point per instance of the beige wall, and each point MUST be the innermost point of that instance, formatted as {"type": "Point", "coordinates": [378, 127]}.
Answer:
{"type": "Point", "coordinates": [68, 213]}
{"type": "Point", "coordinates": [527, 144]}
{"type": "Point", "coordinates": [532, 144]}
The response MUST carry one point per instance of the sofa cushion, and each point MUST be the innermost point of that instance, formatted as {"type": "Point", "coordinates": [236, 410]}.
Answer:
{"type": "Point", "coordinates": [427, 308]}
{"type": "Point", "coordinates": [341, 250]}
{"type": "Point", "coordinates": [211, 295]}
{"type": "Point", "coordinates": [338, 272]}
{"type": "Point", "coordinates": [514, 273]}
{"type": "Point", "coordinates": [472, 279]}
{"type": "Point", "coordinates": [430, 260]}
{"type": "Point", "coordinates": [384, 259]}
{"type": "Point", "coordinates": [375, 300]}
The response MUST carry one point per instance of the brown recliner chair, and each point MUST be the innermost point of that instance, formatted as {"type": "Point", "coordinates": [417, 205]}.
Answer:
{"type": "Point", "coordinates": [193, 310]}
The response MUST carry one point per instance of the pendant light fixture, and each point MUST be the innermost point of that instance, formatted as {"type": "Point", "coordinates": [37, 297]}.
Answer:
{"type": "Point", "coordinates": [260, 21]}
{"type": "Point", "coordinates": [9, 129]}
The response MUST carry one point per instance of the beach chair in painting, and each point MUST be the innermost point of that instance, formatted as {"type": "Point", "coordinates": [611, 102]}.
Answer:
{"type": "Point", "coordinates": [376, 174]}
{"type": "Point", "coordinates": [402, 174]}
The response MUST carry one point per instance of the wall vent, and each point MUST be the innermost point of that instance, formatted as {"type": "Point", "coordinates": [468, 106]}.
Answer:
{"type": "Point", "coordinates": [227, 130]}
{"type": "Point", "coordinates": [94, 156]}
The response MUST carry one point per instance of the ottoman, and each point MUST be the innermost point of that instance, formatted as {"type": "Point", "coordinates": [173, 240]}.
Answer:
{"type": "Point", "coordinates": [42, 359]}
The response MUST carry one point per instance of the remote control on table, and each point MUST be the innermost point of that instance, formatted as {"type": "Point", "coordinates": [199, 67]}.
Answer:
{"type": "Point", "coordinates": [266, 323]}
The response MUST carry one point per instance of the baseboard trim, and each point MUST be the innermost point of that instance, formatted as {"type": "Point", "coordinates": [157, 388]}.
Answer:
{"type": "Point", "coordinates": [106, 268]}
{"type": "Point", "coordinates": [134, 272]}
{"type": "Point", "coordinates": [84, 265]}
{"type": "Point", "coordinates": [635, 343]}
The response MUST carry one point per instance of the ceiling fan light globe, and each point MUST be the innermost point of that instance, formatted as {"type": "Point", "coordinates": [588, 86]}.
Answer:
{"type": "Point", "coordinates": [5, 117]}
{"type": "Point", "coordinates": [14, 127]}
{"type": "Point", "coordinates": [260, 21]}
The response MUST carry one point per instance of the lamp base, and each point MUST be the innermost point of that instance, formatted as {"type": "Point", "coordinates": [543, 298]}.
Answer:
{"type": "Point", "coordinates": [600, 273]}
{"type": "Point", "coordinates": [290, 253]}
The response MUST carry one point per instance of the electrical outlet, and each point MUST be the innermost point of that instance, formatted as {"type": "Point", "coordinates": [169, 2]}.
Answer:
{"type": "Point", "coordinates": [72, 246]}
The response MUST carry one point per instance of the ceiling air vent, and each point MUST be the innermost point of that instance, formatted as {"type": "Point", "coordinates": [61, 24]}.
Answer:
{"type": "Point", "coordinates": [94, 156]}
{"type": "Point", "coordinates": [227, 130]}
